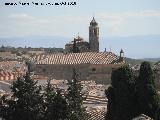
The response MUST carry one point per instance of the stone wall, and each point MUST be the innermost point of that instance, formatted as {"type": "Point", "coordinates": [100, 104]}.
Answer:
{"type": "Point", "coordinates": [100, 73]}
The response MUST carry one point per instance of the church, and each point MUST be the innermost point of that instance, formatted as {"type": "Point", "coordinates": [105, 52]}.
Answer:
{"type": "Point", "coordinates": [84, 46]}
{"type": "Point", "coordinates": [88, 62]}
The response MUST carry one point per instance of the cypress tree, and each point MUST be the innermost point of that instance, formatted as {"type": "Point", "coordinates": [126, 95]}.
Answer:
{"type": "Point", "coordinates": [49, 95]}
{"type": "Point", "coordinates": [74, 97]}
{"type": "Point", "coordinates": [55, 104]}
{"type": "Point", "coordinates": [121, 95]}
{"type": "Point", "coordinates": [147, 96]}
{"type": "Point", "coordinates": [111, 103]}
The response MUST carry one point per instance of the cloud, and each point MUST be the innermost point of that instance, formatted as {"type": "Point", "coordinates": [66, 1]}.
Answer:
{"type": "Point", "coordinates": [25, 24]}
{"type": "Point", "coordinates": [126, 23]}
{"type": "Point", "coordinates": [21, 16]}
{"type": "Point", "coordinates": [144, 13]}
{"type": "Point", "coordinates": [112, 23]}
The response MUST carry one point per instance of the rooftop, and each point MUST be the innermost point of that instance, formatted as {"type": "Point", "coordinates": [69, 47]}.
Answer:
{"type": "Point", "coordinates": [78, 58]}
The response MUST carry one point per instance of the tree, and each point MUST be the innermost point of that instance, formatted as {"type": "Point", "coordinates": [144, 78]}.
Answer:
{"type": "Point", "coordinates": [49, 96]}
{"type": "Point", "coordinates": [75, 99]}
{"type": "Point", "coordinates": [55, 104]}
{"type": "Point", "coordinates": [111, 103]}
{"type": "Point", "coordinates": [2, 49]}
{"type": "Point", "coordinates": [26, 102]}
{"type": "Point", "coordinates": [75, 48]}
{"type": "Point", "coordinates": [148, 100]}
{"type": "Point", "coordinates": [121, 95]}
{"type": "Point", "coordinates": [2, 105]}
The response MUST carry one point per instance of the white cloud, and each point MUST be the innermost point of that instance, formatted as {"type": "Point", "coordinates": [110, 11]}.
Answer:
{"type": "Point", "coordinates": [145, 13]}
{"type": "Point", "coordinates": [115, 23]}
{"type": "Point", "coordinates": [21, 16]}
{"type": "Point", "coordinates": [131, 22]}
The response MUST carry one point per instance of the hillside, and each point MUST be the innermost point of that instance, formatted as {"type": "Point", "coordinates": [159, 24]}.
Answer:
{"type": "Point", "coordinates": [139, 61]}
{"type": "Point", "coordinates": [152, 59]}
{"type": "Point", "coordinates": [133, 61]}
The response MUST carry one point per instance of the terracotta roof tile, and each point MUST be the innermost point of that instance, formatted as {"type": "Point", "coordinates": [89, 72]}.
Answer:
{"type": "Point", "coordinates": [77, 58]}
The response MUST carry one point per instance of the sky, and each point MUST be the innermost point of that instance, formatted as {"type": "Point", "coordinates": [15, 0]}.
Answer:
{"type": "Point", "coordinates": [116, 18]}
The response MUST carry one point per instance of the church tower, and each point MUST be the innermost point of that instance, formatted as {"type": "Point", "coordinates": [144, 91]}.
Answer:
{"type": "Point", "coordinates": [94, 36]}
{"type": "Point", "coordinates": [121, 57]}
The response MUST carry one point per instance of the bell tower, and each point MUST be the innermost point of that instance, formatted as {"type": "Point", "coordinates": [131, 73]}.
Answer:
{"type": "Point", "coordinates": [121, 57]}
{"type": "Point", "coordinates": [94, 36]}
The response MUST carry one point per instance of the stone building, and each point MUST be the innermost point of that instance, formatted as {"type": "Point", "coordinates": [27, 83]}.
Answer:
{"type": "Point", "coordinates": [88, 61]}
{"type": "Point", "coordinates": [84, 46]}
{"type": "Point", "coordinates": [89, 65]}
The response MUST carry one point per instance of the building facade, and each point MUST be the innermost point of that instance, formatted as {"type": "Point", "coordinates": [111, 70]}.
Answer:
{"type": "Point", "coordinates": [89, 65]}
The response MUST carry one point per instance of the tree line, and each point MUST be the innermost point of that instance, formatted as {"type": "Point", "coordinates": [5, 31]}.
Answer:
{"type": "Point", "coordinates": [130, 95]}
{"type": "Point", "coordinates": [30, 102]}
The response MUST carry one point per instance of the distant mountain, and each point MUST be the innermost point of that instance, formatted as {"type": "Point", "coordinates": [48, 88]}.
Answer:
{"type": "Point", "coordinates": [35, 41]}
{"type": "Point", "coordinates": [133, 62]}
{"type": "Point", "coordinates": [146, 46]}
{"type": "Point", "coordinates": [139, 61]}
{"type": "Point", "coordinates": [152, 59]}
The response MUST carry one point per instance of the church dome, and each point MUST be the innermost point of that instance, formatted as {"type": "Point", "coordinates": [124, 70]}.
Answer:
{"type": "Point", "coordinates": [93, 22]}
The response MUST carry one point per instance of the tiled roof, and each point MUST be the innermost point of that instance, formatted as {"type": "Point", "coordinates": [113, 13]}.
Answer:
{"type": "Point", "coordinates": [7, 65]}
{"type": "Point", "coordinates": [7, 55]}
{"type": "Point", "coordinates": [96, 114]}
{"type": "Point", "coordinates": [2, 73]}
{"type": "Point", "coordinates": [96, 100]}
{"type": "Point", "coordinates": [12, 66]}
{"type": "Point", "coordinates": [79, 58]}
{"type": "Point", "coordinates": [37, 58]}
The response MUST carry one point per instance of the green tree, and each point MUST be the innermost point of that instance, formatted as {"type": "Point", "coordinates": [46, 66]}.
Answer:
{"type": "Point", "coordinates": [75, 48]}
{"type": "Point", "coordinates": [148, 100]}
{"type": "Point", "coordinates": [26, 102]}
{"type": "Point", "coordinates": [75, 98]}
{"type": "Point", "coordinates": [111, 103]}
{"type": "Point", "coordinates": [121, 95]}
{"type": "Point", "coordinates": [55, 104]}
{"type": "Point", "coordinates": [2, 105]}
